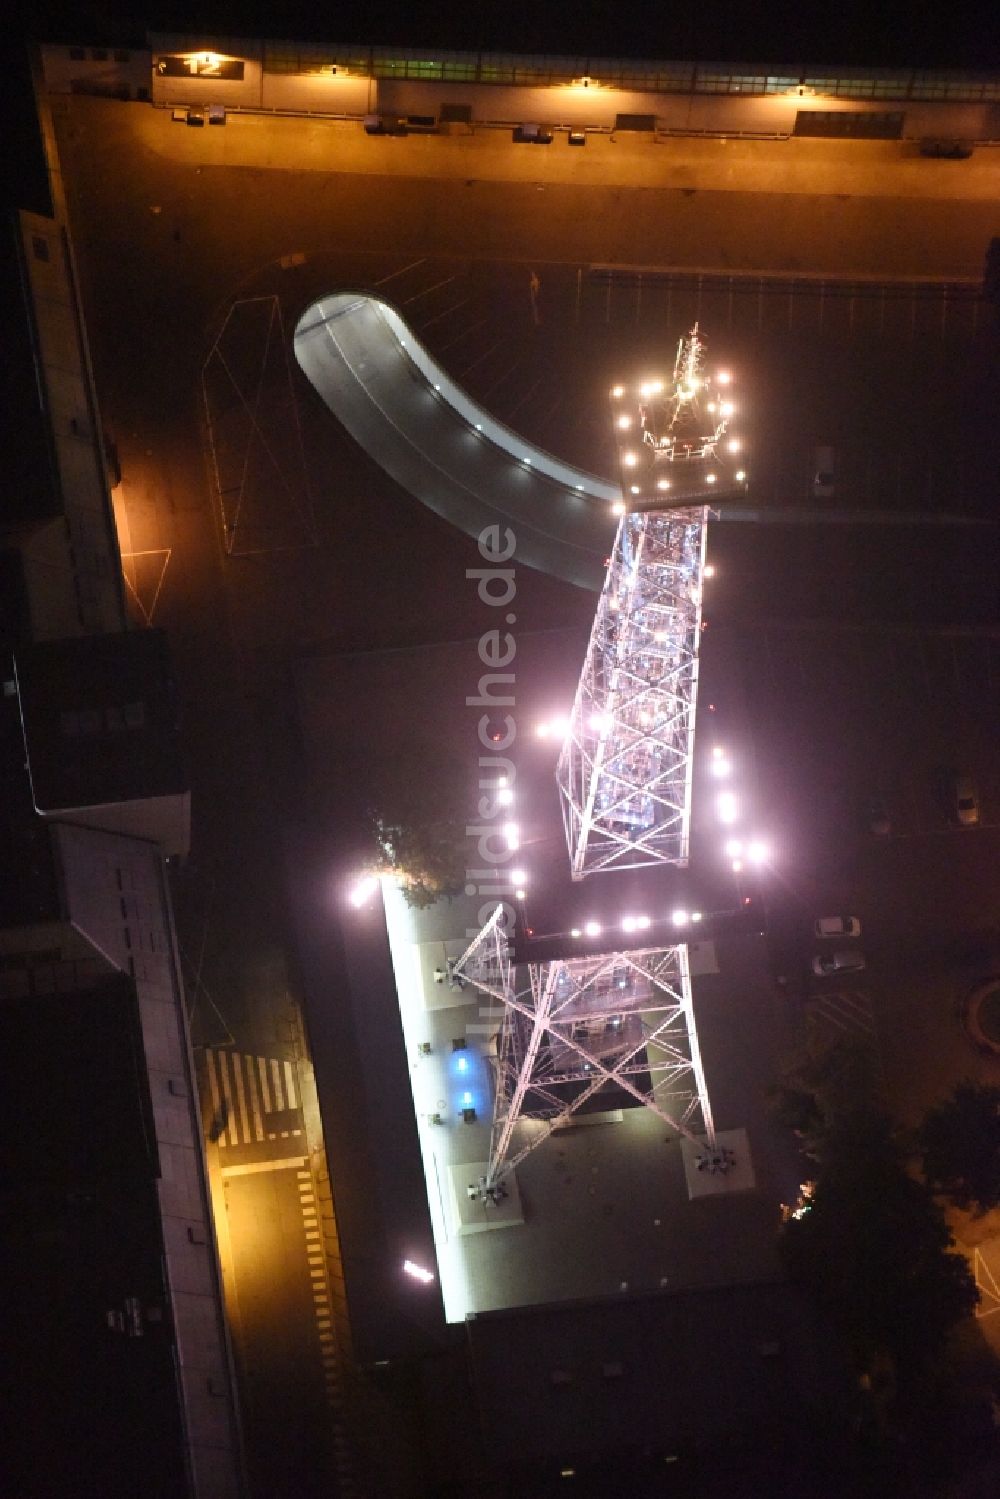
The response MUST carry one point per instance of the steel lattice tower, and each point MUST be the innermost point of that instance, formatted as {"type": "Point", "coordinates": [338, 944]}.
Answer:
{"type": "Point", "coordinates": [620, 1022]}
{"type": "Point", "coordinates": [623, 1022]}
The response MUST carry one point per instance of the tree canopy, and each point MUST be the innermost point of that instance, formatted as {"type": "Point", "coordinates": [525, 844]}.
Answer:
{"type": "Point", "coordinates": [960, 1144]}
{"type": "Point", "coordinates": [873, 1249]}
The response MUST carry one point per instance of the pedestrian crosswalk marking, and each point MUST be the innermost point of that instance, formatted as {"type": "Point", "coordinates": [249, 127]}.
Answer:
{"type": "Point", "coordinates": [246, 1091]}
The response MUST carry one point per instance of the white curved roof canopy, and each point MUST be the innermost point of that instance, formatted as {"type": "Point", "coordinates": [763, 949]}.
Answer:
{"type": "Point", "coordinates": [434, 441]}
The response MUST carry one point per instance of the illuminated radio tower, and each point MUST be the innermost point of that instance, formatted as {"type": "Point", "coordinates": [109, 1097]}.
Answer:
{"type": "Point", "coordinates": [619, 1024]}
{"type": "Point", "coordinates": [625, 768]}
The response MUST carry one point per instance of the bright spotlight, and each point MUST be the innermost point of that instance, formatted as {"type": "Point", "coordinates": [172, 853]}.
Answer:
{"type": "Point", "coordinates": [629, 460]}
{"type": "Point", "coordinates": [734, 446]}
{"type": "Point", "coordinates": [593, 929]}
{"type": "Point", "coordinates": [575, 932]}
{"type": "Point", "coordinates": [633, 489]}
{"type": "Point", "coordinates": [737, 866]}
{"type": "Point", "coordinates": [599, 722]}
{"type": "Point", "coordinates": [725, 806]}
{"type": "Point", "coordinates": [505, 796]}
{"type": "Point", "coordinates": [517, 876]}
{"type": "Point", "coordinates": [740, 476]}
{"type": "Point", "coordinates": [721, 769]}
{"type": "Point", "coordinates": [709, 571]}
{"type": "Point", "coordinates": [618, 508]}
{"type": "Point", "coordinates": [418, 1272]}
{"type": "Point", "coordinates": [542, 731]}
{"type": "Point", "coordinates": [757, 852]}
{"type": "Point", "coordinates": [363, 890]}
{"type": "Point", "coordinates": [641, 923]}
{"type": "Point", "coordinates": [710, 478]}
{"type": "Point", "coordinates": [560, 725]}
{"type": "Point", "coordinates": [734, 848]}
{"type": "Point", "coordinates": [628, 923]}
{"type": "Point", "coordinates": [727, 408]}
{"type": "Point", "coordinates": [663, 484]}
{"type": "Point", "coordinates": [511, 834]}
{"type": "Point", "coordinates": [718, 753]}
{"type": "Point", "coordinates": [624, 422]}
{"type": "Point", "coordinates": [617, 391]}
{"type": "Point", "coordinates": [695, 915]}
{"type": "Point", "coordinates": [520, 894]}
{"type": "Point", "coordinates": [680, 918]}
{"type": "Point", "coordinates": [723, 377]}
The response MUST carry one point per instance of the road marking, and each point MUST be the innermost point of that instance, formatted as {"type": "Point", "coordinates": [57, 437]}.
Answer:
{"type": "Point", "coordinates": [234, 1136]}
{"type": "Point", "coordinates": [290, 1086]}
{"type": "Point", "coordinates": [253, 1166]}
{"type": "Point", "coordinates": [238, 1080]}
{"type": "Point", "coordinates": [265, 1091]}
{"type": "Point", "coordinates": [279, 1101]}
{"type": "Point", "coordinates": [258, 1128]}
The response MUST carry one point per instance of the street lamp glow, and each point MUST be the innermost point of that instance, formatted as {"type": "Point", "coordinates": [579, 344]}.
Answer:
{"type": "Point", "coordinates": [418, 1272]}
{"type": "Point", "coordinates": [520, 894]}
{"type": "Point", "coordinates": [628, 923]}
{"type": "Point", "coordinates": [511, 834]}
{"type": "Point", "coordinates": [617, 391]}
{"type": "Point", "coordinates": [757, 851]}
{"type": "Point", "coordinates": [363, 890]}
{"type": "Point", "coordinates": [709, 571]}
{"type": "Point", "coordinates": [695, 915]}
{"type": "Point", "coordinates": [593, 929]}
{"type": "Point", "coordinates": [629, 460]}
{"type": "Point", "coordinates": [721, 769]}
{"type": "Point", "coordinates": [618, 508]}
{"type": "Point", "coordinates": [505, 796]}
{"type": "Point", "coordinates": [734, 848]}
{"type": "Point", "coordinates": [737, 866]}
{"type": "Point", "coordinates": [680, 918]}
{"type": "Point", "coordinates": [710, 478]}
{"type": "Point", "coordinates": [723, 377]}
{"type": "Point", "coordinates": [734, 445]}
{"type": "Point", "coordinates": [641, 923]}
{"type": "Point", "coordinates": [727, 408]}
{"type": "Point", "coordinates": [624, 422]}
{"type": "Point", "coordinates": [740, 475]}
{"type": "Point", "coordinates": [517, 876]}
{"type": "Point", "coordinates": [575, 932]}
{"type": "Point", "coordinates": [663, 484]}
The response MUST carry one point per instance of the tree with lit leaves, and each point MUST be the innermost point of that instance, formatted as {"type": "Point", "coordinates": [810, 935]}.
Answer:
{"type": "Point", "coordinates": [960, 1144]}
{"type": "Point", "coordinates": [417, 813]}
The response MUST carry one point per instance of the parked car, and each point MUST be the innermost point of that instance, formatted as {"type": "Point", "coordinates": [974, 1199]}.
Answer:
{"type": "Point", "coordinates": [824, 476]}
{"type": "Point", "coordinates": [965, 807]}
{"type": "Point", "coordinates": [847, 960]}
{"type": "Point", "coordinates": [838, 926]}
{"type": "Point", "coordinates": [877, 817]}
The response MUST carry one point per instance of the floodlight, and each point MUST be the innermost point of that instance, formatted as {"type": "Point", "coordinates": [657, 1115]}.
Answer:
{"type": "Point", "coordinates": [726, 807]}
{"type": "Point", "coordinates": [418, 1272]}
{"type": "Point", "coordinates": [363, 890]}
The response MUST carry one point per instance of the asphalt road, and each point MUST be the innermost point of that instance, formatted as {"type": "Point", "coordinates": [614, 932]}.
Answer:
{"type": "Point", "coordinates": [181, 264]}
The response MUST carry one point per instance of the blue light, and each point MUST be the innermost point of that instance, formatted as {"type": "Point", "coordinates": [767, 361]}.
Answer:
{"type": "Point", "coordinates": [462, 1064]}
{"type": "Point", "coordinates": [467, 1098]}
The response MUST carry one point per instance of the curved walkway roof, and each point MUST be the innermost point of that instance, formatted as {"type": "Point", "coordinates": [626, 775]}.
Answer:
{"type": "Point", "coordinates": [434, 441]}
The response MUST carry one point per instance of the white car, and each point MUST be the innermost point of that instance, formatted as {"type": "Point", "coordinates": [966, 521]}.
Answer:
{"type": "Point", "coordinates": [966, 804]}
{"type": "Point", "coordinates": [849, 960]}
{"type": "Point", "coordinates": [838, 926]}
